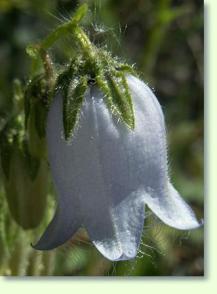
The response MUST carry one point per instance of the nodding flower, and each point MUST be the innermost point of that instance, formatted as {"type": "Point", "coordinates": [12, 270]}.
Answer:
{"type": "Point", "coordinates": [107, 174]}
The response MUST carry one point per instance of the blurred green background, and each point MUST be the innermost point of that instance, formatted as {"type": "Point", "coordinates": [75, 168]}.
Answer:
{"type": "Point", "coordinates": [164, 39]}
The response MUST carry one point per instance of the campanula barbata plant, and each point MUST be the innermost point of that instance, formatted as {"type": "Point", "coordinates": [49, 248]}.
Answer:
{"type": "Point", "coordinates": [107, 150]}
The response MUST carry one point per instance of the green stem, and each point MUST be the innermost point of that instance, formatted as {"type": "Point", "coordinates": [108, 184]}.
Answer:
{"type": "Point", "coordinates": [35, 264]}
{"type": "Point", "coordinates": [4, 252]}
{"type": "Point", "coordinates": [49, 72]}
{"type": "Point", "coordinates": [20, 256]}
{"type": "Point", "coordinates": [47, 63]}
{"type": "Point", "coordinates": [78, 35]}
{"type": "Point", "coordinates": [49, 263]}
{"type": "Point", "coordinates": [59, 32]}
{"type": "Point", "coordinates": [82, 39]}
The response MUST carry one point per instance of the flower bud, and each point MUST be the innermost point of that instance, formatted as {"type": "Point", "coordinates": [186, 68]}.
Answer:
{"type": "Point", "coordinates": [25, 182]}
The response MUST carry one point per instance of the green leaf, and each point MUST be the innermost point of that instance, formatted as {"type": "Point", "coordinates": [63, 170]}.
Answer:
{"type": "Point", "coordinates": [122, 98]}
{"type": "Point", "coordinates": [72, 102]}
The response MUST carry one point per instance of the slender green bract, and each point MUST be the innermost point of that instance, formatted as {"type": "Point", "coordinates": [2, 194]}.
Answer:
{"type": "Point", "coordinates": [72, 103]}
{"type": "Point", "coordinates": [122, 99]}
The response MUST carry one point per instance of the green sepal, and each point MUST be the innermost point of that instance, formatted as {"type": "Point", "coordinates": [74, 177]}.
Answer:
{"type": "Point", "coordinates": [126, 68]}
{"type": "Point", "coordinates": [104, 87]}
{"type": "Point", "coordinates": [72, 102]}
{"type": "Point", "coordinates": [65, 76]}
{"type": "Point", "coordinates": [122, 98]}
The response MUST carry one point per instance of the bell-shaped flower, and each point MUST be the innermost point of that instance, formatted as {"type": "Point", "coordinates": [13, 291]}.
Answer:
{"type": "Point", "coordinates": [107, 174]}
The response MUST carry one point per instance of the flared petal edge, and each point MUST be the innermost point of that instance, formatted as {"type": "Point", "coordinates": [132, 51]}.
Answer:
{"type": "Point", "coordinates": [120, 238]}
{"type": "Point", "coordinates": [170, 208]}
{"type": "Point", "coordinates": [61, 229]}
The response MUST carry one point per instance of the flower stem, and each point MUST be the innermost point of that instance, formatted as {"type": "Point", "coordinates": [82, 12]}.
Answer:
{"type": "Point", "coordinates": [59, 32]}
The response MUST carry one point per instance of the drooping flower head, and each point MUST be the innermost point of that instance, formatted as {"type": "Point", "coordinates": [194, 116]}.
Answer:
{"type": "Point", "coordinates": [108, 157]}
